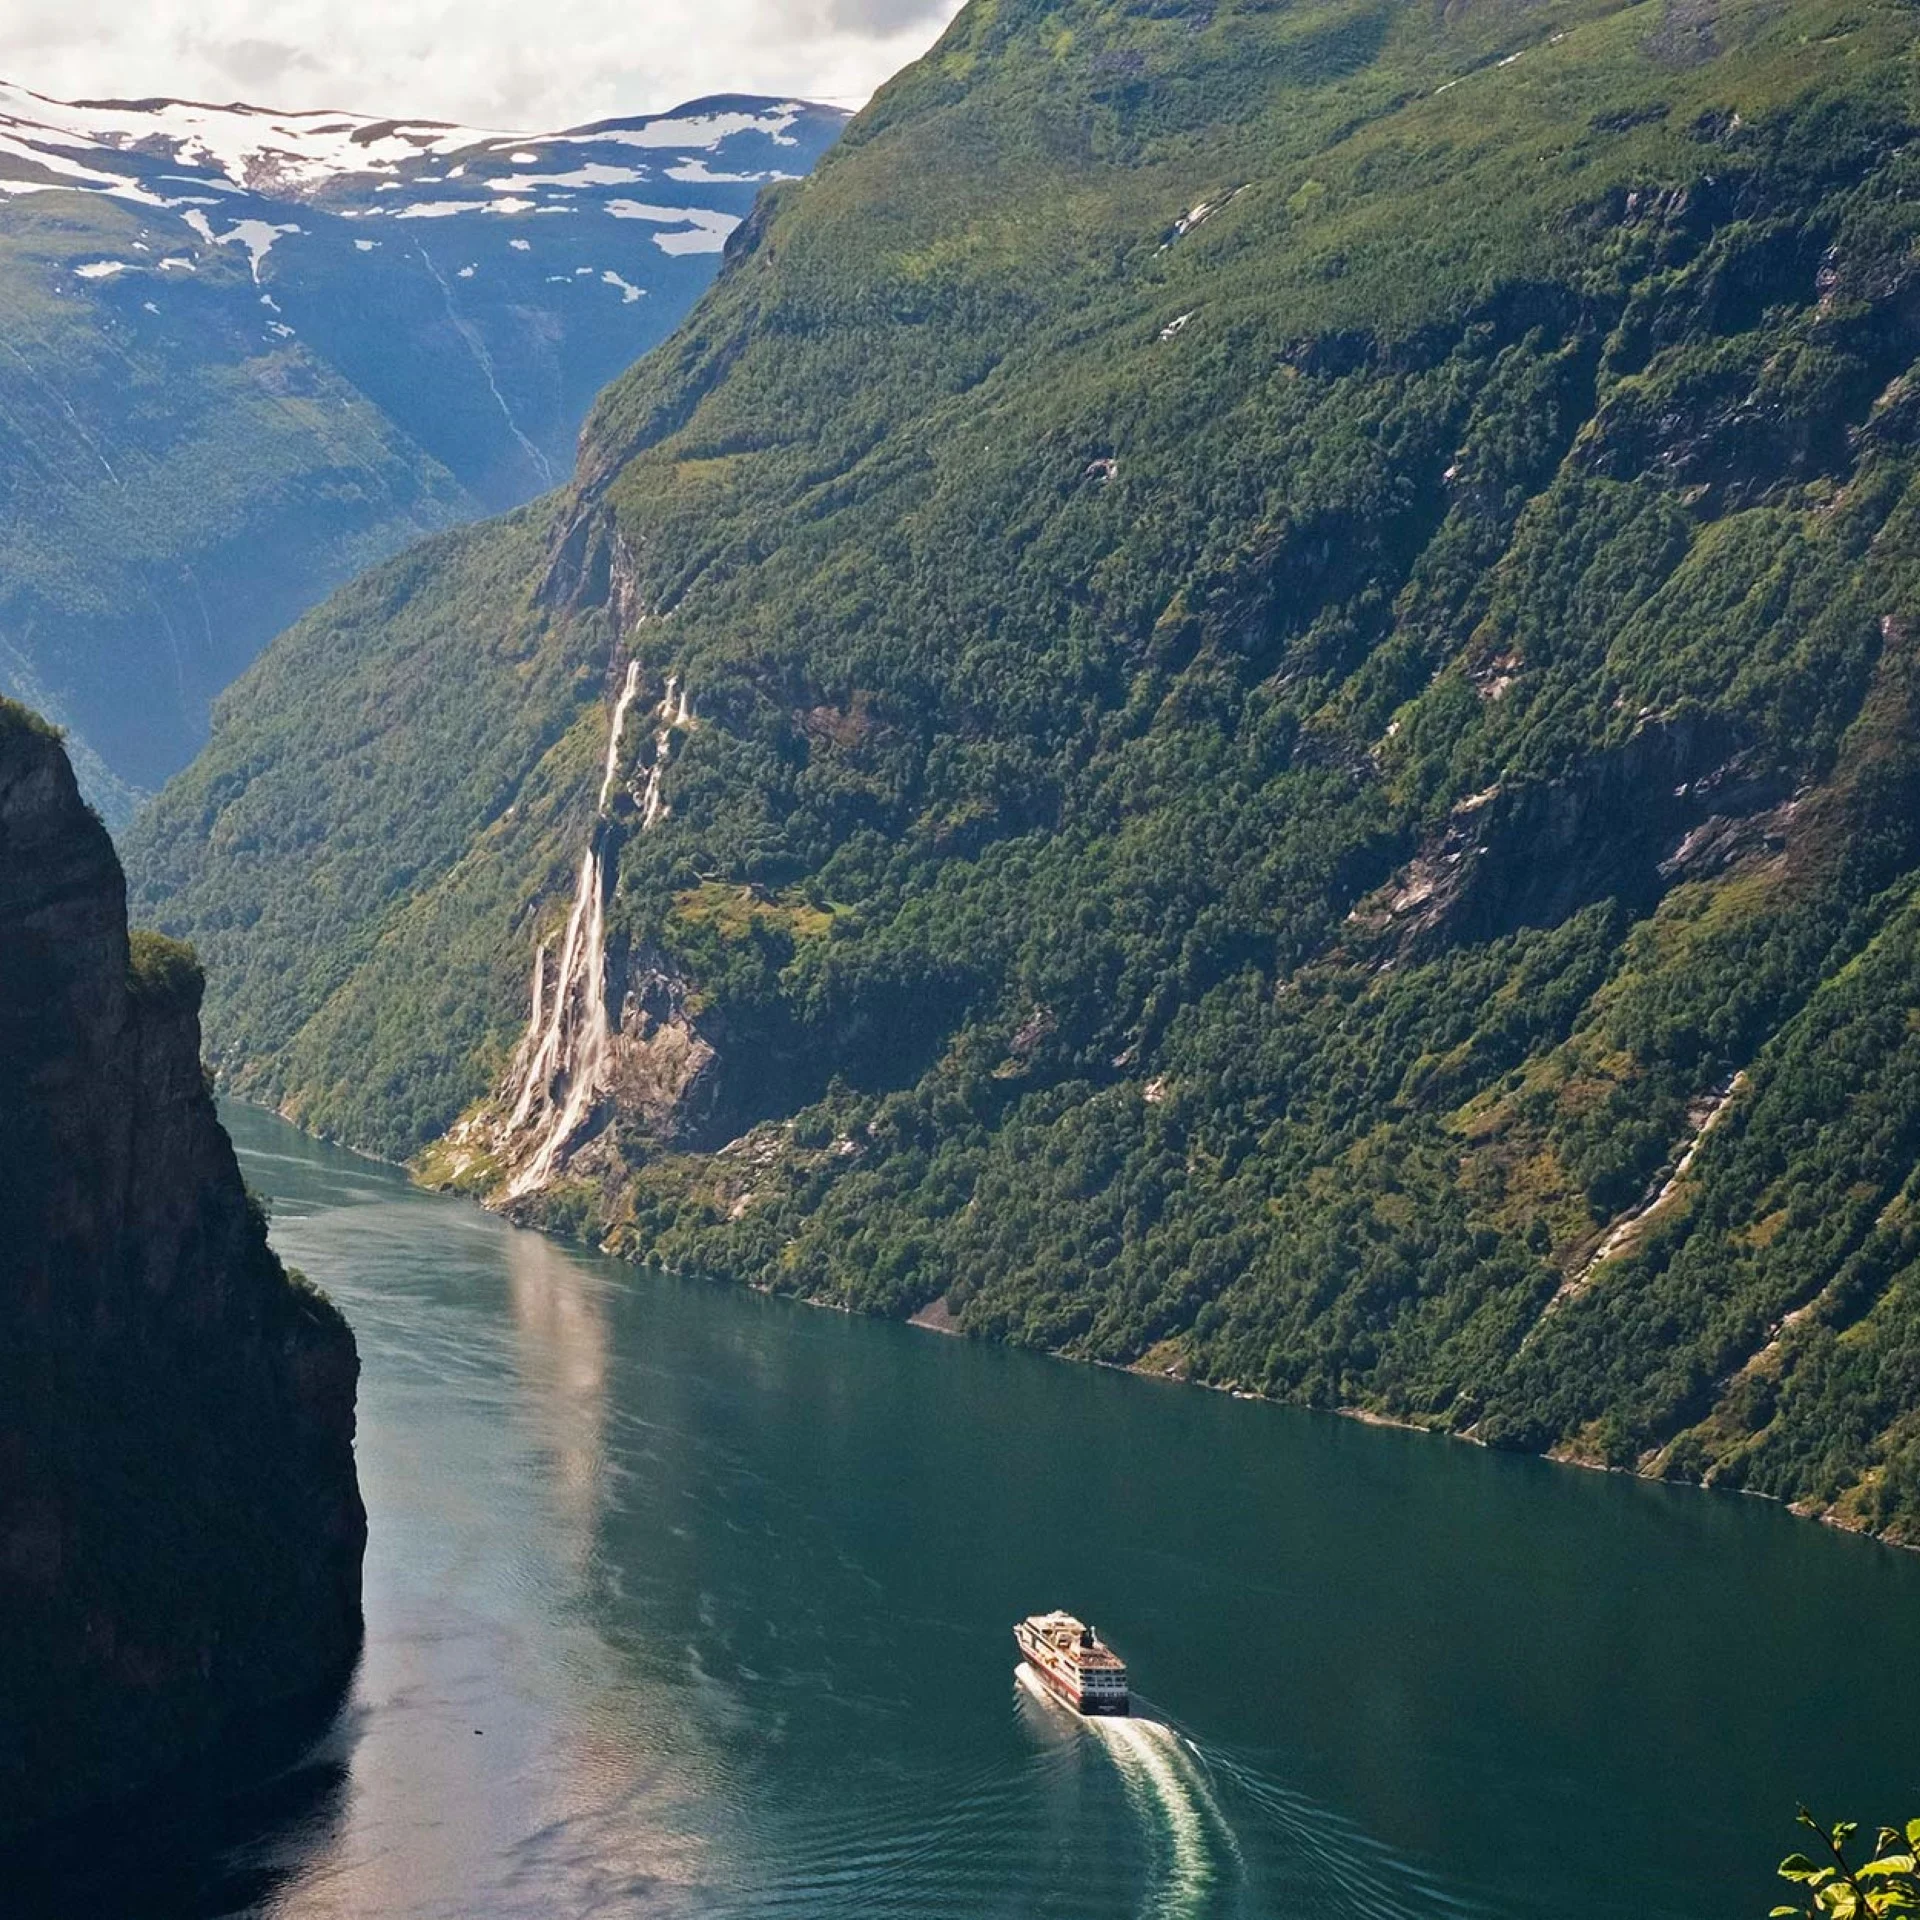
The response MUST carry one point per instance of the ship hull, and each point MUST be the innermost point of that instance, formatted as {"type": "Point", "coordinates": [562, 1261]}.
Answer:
{"type": "Point", "coordinates": [1104, 1706]}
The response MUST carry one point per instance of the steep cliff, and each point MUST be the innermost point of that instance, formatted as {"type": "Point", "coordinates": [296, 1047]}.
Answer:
{"type": "Point", "coordinates": [1300, 623]}
{"type": "Point", "coordinates": [180, 1525]}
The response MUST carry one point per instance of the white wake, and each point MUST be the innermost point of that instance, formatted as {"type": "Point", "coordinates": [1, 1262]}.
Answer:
{"type": "Point", "coordinates": [1188, 1834]}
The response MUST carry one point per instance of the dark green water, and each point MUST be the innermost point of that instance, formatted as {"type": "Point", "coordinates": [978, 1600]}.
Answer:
{"type": "Point", "coordinates": [685, 1601]}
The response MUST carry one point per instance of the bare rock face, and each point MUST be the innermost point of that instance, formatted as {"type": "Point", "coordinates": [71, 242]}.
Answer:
{"type": "Point", "coordinates": [666, 1067]}
{"type": "Point", "coordinates": [180, 1525]}
{"type": "Point", "coordinates": [1629, 821]}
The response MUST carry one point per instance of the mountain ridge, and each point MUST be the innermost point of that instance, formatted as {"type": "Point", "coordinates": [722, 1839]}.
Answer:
{"type": "Point", "coordinates": [1279, 648]}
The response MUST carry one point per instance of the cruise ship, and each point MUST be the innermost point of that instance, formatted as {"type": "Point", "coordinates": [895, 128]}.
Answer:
{"type": "Point", "coordinates": [1073, 1662]}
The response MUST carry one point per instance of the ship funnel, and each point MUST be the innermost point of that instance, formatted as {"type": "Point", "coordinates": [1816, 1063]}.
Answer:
{"type": "Point", "coordinates": [1086, 1636]}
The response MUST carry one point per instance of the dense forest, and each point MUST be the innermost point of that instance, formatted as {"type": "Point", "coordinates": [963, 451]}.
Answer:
{"type": "Point", "coordinates": [1300, 765]}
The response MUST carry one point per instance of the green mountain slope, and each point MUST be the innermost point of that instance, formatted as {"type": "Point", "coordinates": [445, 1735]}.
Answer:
{"type": "Point", "coordinates": [1272, 735]}
{"type": "Point", "coordinates": [167, 486]}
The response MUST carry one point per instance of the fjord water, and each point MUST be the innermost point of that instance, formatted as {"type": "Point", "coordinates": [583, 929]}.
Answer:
{"type": "Point", "coordinates": [687, 1601]}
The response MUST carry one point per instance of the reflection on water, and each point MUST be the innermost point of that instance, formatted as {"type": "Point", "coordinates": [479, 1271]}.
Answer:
{"type": "Point", "coordinates": [192, 1859]}
{"type": "Point", "coordinates": [688, 1602]}
{"type": "Point", "coordinates": [561, 1323]}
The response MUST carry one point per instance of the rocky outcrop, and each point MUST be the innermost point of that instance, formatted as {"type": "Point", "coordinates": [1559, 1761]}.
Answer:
{"type": "Point", "coordinates": [180, 1526]}
{"type": "Point", "coordinates": [1629, 821]}
{"type": "Point", "coordinates": [666, 1076]}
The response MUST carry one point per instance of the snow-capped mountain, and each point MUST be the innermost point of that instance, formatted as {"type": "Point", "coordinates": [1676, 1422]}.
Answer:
{"type": "Point", "coordinates": [682, 174]}
{"type": "Point", "coordinates": [250, 351]}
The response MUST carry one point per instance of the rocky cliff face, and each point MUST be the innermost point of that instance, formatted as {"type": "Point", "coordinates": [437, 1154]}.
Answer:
{"type": "Point", "coordinates": [180, 1525]}
{"type": "Point", "coordinates": [610, 1031]}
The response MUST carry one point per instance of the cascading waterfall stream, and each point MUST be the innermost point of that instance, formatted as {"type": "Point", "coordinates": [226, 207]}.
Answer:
{"type": "Point", "coordinates": [620, 706]}
{"type": "Point", "coordinates": [560, 1070]}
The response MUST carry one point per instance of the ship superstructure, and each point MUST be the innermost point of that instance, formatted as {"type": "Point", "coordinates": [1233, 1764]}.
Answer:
{"type": "Point", "coordinates": [1073, 1663]}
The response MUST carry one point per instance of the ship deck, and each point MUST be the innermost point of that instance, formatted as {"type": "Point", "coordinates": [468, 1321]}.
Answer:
{"type": "Point", "coordinates": [1098, 1658]}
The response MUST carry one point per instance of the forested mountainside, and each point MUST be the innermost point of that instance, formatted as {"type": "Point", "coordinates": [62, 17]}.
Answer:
{"type": "Point", "coordinates": [247, 354]}
{"type": "Point", "coordinates": [180, 1526]}
{"type": "Point", "coordinates": [1261, 668]}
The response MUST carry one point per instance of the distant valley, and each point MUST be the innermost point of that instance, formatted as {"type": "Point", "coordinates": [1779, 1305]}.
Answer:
{"type": "Point", "coordinates": [246, 353]}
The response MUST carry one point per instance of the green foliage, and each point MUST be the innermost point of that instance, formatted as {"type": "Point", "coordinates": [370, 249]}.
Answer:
{"type": "Point", "coordinates": [163, 972]}
{"type": "Point", "coordinates": [360, 775]}
{"type": "Point", "coordinates": [1831, 1887]}
{"type": "Point", "coordinates": [1302, 634]}
{"type": "Point", "coordinates": [14, 718]}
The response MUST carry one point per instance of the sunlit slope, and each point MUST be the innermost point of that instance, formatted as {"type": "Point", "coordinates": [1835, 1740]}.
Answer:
{"type": "Point", "coordinates": [1302, 769]}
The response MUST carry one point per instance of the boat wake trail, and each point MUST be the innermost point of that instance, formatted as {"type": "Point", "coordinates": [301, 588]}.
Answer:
{"type": "Point", "coordinates": [1330, 1863]}
{"type": "Point", "coordinates": [1191, 1846]}
{"type": "Point", "coordinates": [1164, 1783]}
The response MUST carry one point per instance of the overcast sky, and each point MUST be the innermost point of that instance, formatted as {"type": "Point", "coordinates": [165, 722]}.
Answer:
{"type": "Point", "coordinates": [527, 65]}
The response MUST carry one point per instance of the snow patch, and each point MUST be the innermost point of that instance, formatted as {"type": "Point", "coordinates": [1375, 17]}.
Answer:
{"type": "Point", "coordinates": [702, 131]}
{"type": "Point", "coordinates": [257, 236]}
{"type": "Point", "coordinates": [702, 230]}
{"type": "Point", "coordinates": [103, 269]}
{"type": "Point", "coordinates": [594, 174]}
{"type": "Point", "coordinates": [66, 172]}
{"type": "Point", "coordinates": [696, 173]}
{"type": "Point", "coordinates": [250, 147]}
{"type": "Point", "coordinates": [176, 154]}
{"type": "Point", "coordinates": [629, 293]}
{"type": "Point", "coordinates": [446, 209]}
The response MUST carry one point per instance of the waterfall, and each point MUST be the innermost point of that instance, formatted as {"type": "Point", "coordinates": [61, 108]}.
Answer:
{"type": "Point", "coordinates": [561, 1068]}
{"type": "Point", "coordinates": [620, 707]}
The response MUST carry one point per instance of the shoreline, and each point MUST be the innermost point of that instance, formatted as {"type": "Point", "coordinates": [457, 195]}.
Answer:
{"type": "Point", "coordinates": [937, 1318]}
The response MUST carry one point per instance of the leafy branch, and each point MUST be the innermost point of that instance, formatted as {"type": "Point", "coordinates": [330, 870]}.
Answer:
{"type": "Point", "coordinates": [1889, 1883]}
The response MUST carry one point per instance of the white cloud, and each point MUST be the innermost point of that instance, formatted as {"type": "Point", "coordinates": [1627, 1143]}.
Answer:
{"type": "Point", "coordinates": [493, 63]}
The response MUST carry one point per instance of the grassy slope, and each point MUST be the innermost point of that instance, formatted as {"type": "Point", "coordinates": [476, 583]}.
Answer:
{"type": "Point", "coordinates": [1270, 833]}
